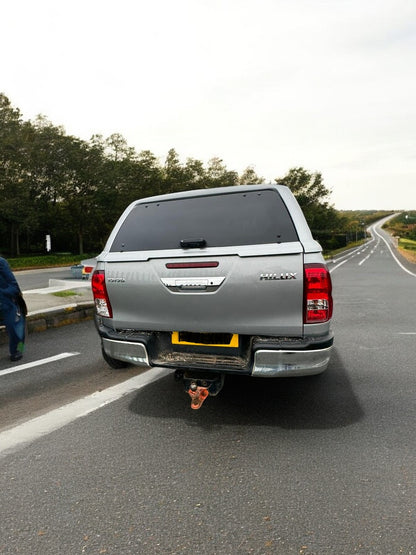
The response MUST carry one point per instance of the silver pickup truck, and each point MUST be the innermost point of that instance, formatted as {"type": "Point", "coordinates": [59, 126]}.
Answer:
{"type": "Point", "coordinates": [215, 281]}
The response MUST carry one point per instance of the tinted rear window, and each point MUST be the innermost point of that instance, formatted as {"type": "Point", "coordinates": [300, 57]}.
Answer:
{"type": "Point", "coordinates": [254, 217]}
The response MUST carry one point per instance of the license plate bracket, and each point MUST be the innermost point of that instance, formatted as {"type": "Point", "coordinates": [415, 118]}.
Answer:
{"type": "Point", "coordinates": [206, 339]}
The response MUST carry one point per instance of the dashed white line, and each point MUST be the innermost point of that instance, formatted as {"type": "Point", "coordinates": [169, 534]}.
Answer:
{"type": "Point", "coordinates": [366, 258]}
{"type": "Point", "coordinates": [359, 250]}
{"type": "Point", "coordinates": [337, 266]}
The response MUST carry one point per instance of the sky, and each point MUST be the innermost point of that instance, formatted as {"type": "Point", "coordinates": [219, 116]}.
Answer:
{"type": "Point", "coordinates": [328, 85]}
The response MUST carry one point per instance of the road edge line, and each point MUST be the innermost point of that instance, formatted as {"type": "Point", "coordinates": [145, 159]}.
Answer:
{"type": "Point", "coordinates": [27, 432]}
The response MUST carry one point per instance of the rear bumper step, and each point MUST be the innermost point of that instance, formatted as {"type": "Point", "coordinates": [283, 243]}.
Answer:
{"type": "Point", "coordinates": [266, 362]}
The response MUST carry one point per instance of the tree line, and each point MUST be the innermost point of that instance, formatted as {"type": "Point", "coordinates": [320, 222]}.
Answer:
{"type": "Point", "coordinates": [74, 190]}
{"type": "Point", "coordinates": [403, 225]}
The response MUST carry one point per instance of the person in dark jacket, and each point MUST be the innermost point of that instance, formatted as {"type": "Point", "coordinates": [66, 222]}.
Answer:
{"type": "Point", "coordinates": [12, 310]}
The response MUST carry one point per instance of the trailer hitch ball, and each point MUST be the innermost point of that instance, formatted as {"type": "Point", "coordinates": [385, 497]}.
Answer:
{"type": "Point", "coordinates": [201, 386]}
{"type": "Point", "coordinates": [198, 396]}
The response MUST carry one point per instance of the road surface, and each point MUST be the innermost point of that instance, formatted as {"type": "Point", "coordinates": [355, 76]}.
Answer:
{"type": "Point", "coordinates": [36, 279]}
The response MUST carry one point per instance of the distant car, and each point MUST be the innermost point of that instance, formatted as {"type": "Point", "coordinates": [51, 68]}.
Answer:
{"type": "Point", "coordinates": [218, 281]}
{"type": "Point", "coordinates": [88, 267]}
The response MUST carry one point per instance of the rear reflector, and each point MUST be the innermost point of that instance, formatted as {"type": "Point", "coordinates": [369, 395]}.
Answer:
{"type": "Point", "coordinates": [99, 292]}
{"type": "Point", "coordinates": [175, 265]}
{"type": "Point", "coordinates": [318, 294]}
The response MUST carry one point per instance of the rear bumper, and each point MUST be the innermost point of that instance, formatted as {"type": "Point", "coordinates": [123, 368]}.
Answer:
{"type": "Point", "coordinates": [133, 353]}
{"type": "Point", "coordinates": [273, 364]}
{"type": "Point", "coordinates": [266, 362]}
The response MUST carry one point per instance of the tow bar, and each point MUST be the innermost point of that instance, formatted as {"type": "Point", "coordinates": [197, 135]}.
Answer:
{"type": "Point", "coordinates": [200, 385]}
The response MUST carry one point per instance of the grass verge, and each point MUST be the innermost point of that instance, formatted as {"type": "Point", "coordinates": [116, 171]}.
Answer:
{"type": "Point", "coordinates": [47, 261]}
{"type": "Point", "coordinates": [407, 248]}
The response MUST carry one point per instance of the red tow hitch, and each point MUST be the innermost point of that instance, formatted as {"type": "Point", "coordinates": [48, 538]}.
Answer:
{"type": "Point", "coordinates": [199, 385]}
{"type": "Point", "coordinates": [198, 396]}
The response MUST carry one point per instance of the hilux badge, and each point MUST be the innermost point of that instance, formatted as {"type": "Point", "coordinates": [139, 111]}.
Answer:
{"type": "Point", "coordinates": [287, 275]}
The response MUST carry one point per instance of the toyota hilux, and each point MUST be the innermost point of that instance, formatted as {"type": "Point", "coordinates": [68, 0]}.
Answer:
{"type": "Point", "coordinates": [212, 282]}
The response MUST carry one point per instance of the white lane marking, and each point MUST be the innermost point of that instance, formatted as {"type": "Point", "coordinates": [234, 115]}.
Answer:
{"type": "Point", "coordinates": [351, 254]}
{"type": "Point", "coordinates": [373, 250]}
{"type": "Point", "coordinates": [407, 332]}
{"type": "Point", "coordinates": [34, 363]}
{"type": "Point", "coordinates": [366, 258]}
{"type": "Point", "coordinates": [338, 265]}
{"type": "Point", "coordinates": [392, 253]}
{"type": "Point", "coordinates": [58, 418]}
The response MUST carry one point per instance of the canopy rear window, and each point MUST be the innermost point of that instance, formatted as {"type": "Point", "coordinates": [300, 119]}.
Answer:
{"type": "Point", "coordinates": [220, 220]}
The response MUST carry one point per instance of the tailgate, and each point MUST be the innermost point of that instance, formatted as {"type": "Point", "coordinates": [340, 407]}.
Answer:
{"type": "Point", "coordinates": [253, 295]}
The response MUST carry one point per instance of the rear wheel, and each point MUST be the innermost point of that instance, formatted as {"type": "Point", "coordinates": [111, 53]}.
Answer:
{"type": "Point", "coordinates": [113, 362]}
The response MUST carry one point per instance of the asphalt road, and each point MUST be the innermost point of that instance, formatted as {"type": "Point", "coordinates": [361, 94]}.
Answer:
{"type": "Point", "coordinates": [323, 465]}
{"type": "Point", "coordinates": [35, 279]}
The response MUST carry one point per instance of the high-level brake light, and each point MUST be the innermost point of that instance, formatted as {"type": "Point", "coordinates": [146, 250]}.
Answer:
{"type": "Point", "coordinates": [99, 291]}
{"type": "Point", "coordinates": [181, 265]}
{"type": "Point", "coordinates": [318, 294]}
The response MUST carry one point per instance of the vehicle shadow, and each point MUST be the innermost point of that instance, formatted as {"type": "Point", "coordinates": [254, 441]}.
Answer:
{"type": "Point", "coordinates": [325, 401]}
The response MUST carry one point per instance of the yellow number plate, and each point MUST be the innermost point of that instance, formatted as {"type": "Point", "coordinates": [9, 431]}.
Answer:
{"type": "Point", "coordinates": [205, 339]}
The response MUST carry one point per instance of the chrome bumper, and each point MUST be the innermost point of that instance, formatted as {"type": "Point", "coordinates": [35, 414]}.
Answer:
{"type": "Point", "coordinates": [267, 363]}
{"type": "Point", "coordinates": [133, 353]}
{"type": "Point", "coordinates": [272, 364]}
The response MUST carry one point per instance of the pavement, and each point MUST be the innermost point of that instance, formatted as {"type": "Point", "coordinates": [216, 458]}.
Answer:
{"type": "Point", "coordinates": [63, 302]}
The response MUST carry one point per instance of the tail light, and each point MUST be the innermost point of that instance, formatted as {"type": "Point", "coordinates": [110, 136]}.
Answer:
{"type": "Point", "coordinates": [318, 294]}
{"type": "Point", "coordinates": [99, 292]}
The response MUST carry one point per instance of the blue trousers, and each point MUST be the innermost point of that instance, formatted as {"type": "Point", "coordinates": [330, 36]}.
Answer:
{"type": "Point", "coordinates": [15, 324]}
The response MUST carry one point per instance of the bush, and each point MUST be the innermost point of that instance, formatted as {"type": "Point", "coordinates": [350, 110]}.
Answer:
{"type": "Point", "coordinates": [46, 261]}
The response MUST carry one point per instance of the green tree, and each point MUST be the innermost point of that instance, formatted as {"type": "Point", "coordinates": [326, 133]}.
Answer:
{"type": "Point", "coordinates": [16, 208]}
{"type": "Point", "coordinates": [52, 183]}
{"type": "Point", "coordinates": [117, 148]}
{"type": "Point", "coordinates": [307, 187]}
{"type": "Point", "coordinates": [195, 174]}
{"type": "Point", "coordinates": [217, 175]}
{"type": "Point", "coordinates": [146, 178]}
{"type": "Point", "coordinates": [311, 194]}
{"type": "Point", "coordinates": [50, 170]}
{"type": "Point", "coordinates": [250, 177]}
{"type": "Point", "coordinates": [173, 173]}
{"type": "Point", "coordinates": [81, 191]}
{"type": "Point", "coordinates": [328, 225]}
{"type": "Point", "coordinates": [114, 170]}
